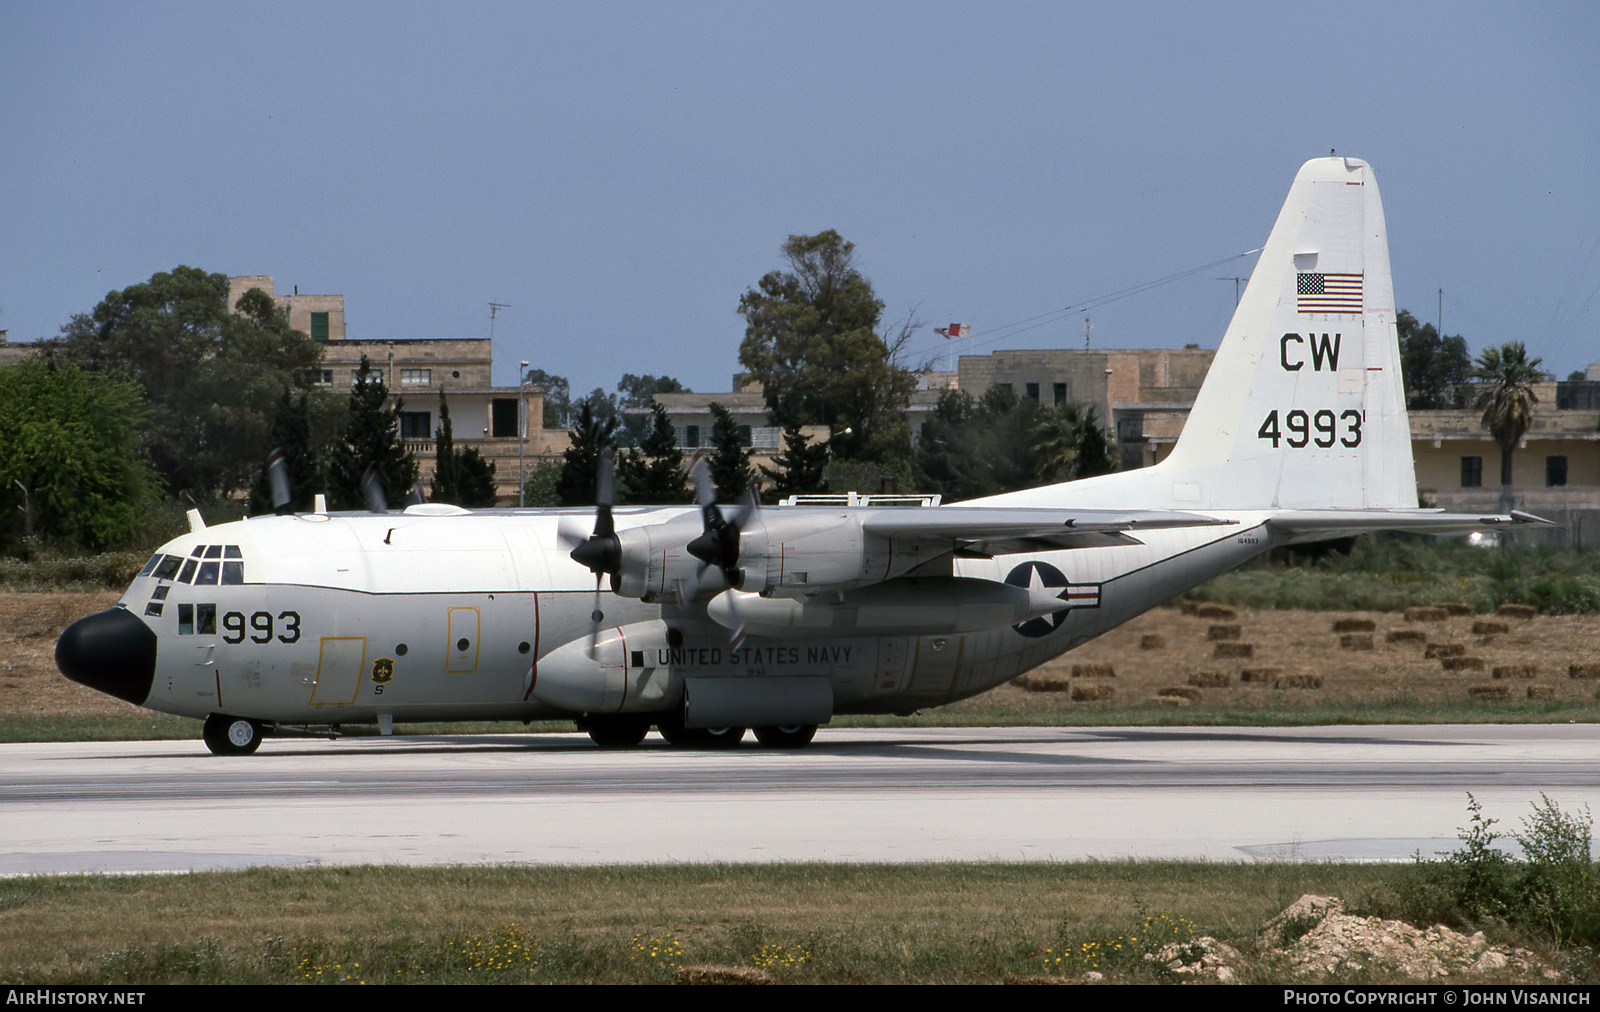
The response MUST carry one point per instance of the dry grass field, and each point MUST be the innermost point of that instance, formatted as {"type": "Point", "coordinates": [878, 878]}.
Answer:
{"type": "Point", "coordinates": [1204, 662]}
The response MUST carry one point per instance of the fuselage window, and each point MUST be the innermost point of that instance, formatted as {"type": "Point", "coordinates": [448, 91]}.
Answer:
{"type": "Point", "coordinates": [205, 619]}
{"type": "Point", "coordinates": [232, 572]}
{"type": "Point", "coordinates": [161, 592]}
{"type": "Point", "coordinates": [153, 609]}
{"type": "Point", "coordinates": [169, 567]}
{"type": "Point", "coordinates": [209, 571]}
{"type": "Point", "coordinates": [188, 571]}
{"type": "Point", "coordinates": [185, 620]}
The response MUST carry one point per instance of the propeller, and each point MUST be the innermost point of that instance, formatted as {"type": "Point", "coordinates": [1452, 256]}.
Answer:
{"type": "Point", "coordinates": [718, 545]}
{"type": "Point", "coordinates": [372, 490]}
{"type": "Point", "coordinates": [601, 552]}
{"type": "Point", "coordinates": [278, 480]}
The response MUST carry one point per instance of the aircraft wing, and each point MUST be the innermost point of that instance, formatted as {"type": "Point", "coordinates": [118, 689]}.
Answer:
{"type": "Point", "coordinates": [988, 531]}
{"type": "Point", "coordinates": [1310, 523]}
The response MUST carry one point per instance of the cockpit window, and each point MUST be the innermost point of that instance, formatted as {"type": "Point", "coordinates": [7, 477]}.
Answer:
{"type": "Point", "coordinates": [198, 550]}
{"type": "Point", "coordinates": [233, 572]}
{"type": "Point", "coordinates": [148, 566]}
{"type": "Point", "coordinates": [232, 552]}
{"type": "Point", "coordinates": [208, 574]}
{"type": "Point", "coordinates": [213, 551]}
{"type": "Point", "coordinates": [168, 567]}
{"type": "Point", "coordinates": [188, 571]}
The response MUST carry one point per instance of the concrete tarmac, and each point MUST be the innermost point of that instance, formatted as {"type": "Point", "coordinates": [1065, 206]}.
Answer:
{"type": "Point", "coordinates": [926, 794]}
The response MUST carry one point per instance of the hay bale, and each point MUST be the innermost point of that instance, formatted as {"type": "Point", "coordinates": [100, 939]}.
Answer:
{"type": "Point", "coordinates": [1523, 611]}
{"type": "Point", "coordinates": [1169, 701]}
{"type": "Point", "coordinates": [721, 975]}
{"type": "Point", "coordinates": [1356, 641]}
{"type": "Point", "coordinates": [1234, 650]}
{"type": "Point", "coordinates": [1584, 671]}
{"type": "Point", "coordinates": [1514, 671]}
{"type": "Point", "coordinates": [1181, 692]}
{"type": "Point", "coordinates": [1092, 693]}
{"type": "Point", "coordinates": [1259, 674]}
{"type": "Point", "coordinates": [1041, 683]}
{"type": "Point", "coordinates": [1435, 651]}
{"type": "Point", "coordinates": [1216, 611]}
{"type": "Point", "coordinates": [1210, 679]}
{"type": "Point", "coordinates": [1489, 628]}
{"type": "Point", "coordinates": [1489, 691]}
{"type": "Point", "coordinates": [1093, 671]}
{"type": "Point", "coordinates": [1405, 636]}
{"type": "Point", "coordinates": [1456, 607]}
{"type": "Point", "coordinates": [1420, 613]}
{"type": "Point", "coordinates": [1297, 682]}
{"type": "Point", "coordinates": [1152, 641]}
{"type": "Point", "coordinates": [1191, 607]}
{"type": "Point", "coordinates": [1354, 625]}
{"type": "Point", "coordinates": [1541, 692]}
{"type": "Point", "coordinates": [1462, 663]}
{"type": "Point", "coordinates": [1223, 632]}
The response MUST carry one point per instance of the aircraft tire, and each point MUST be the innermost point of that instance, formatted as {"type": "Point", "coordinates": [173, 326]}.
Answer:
{"type": "Point", "coordinates": [225, 735]}
{"type": "Point", "coordinates": [786, 735]}
{"type": "Point", "coordinates": [617, 732]}
{"type": "Point", "coordinates": [679, 736]}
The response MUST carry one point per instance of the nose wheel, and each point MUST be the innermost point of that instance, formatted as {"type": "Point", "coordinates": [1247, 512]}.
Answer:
{"type": "Point", "coordinates": [225, 735]}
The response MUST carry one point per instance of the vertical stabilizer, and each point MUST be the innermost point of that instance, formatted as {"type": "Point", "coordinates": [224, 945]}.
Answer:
{"type": "Point", "coordinates": [1304, 405]}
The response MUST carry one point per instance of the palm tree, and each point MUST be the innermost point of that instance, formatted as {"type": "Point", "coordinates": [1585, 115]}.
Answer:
{"type": "Point", "coordinates": [1507, 401]}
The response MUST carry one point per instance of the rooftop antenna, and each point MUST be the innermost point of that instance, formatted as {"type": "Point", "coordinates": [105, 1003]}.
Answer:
{"type": "Point", "coordinates": [494, 310]}
{"type": "Point", "coordinates": [1087, 326]}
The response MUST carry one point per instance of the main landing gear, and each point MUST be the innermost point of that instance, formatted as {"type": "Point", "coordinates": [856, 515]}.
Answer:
{"type": "Point", "coordinates": [225, 735]}
{"type": "Point", "coordinates": [628, 730]}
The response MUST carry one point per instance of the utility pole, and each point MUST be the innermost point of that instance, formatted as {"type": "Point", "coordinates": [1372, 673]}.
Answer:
{"type": "Point", "coordinates": [522, 429]}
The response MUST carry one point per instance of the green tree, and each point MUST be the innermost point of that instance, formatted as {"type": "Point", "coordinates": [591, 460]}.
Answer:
{"type": "Point", "coordinates": [212, 375]}
{"type": "Point", "coordinates": [1507, 401]}
{"type": "Point", "coordinates": [591, 436]}
{"type": "Point", "coordinates": [371, 438]}
{"type": "Point", "coordinates": [802, 468]}
{"type": "Point", "coordinates": [1070, 443]}
{"type": "Point", "coordinates": [729, 462]}
{"type": "Point", "coordinates": [812, 340]}
{"type": "Point", "coordinates": [654, 473]}
{"type": "Point", "coordinates": [475, 479]}
{"type": "Point", "coordinates": [979, 446]}
{"type": "Point", "coordinates": [70, 465]}
{"type": "Point", "coordinates": [544, 478]}
{"type": "Point", "coordinates": [1435, 369]}
{"type": "Point", "coordinates": [443, 487]}
{"type": "Point", "coordinates": [557, 398]}
{"type": "Point", "coordinates": [305, 460]}
{"type": "Point", "coordinates": [640, 391]}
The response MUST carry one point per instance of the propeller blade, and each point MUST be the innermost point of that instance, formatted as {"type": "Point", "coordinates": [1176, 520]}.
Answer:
{"type": "Point", "coordinates": [278, 480]}
{"type": "Point", "coordinates": [372, 490]}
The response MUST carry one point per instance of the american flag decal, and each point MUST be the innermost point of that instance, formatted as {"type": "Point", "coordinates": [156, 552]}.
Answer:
{"type": "Point", "coordinates": [1328, 293]}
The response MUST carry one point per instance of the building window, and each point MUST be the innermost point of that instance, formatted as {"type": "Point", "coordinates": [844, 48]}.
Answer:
{"type": "Point", "coordinates": [324, 377]}
{"type": "Point", "coordinates": [744, 435]}
{"type": "Point", "coordinates": [691, 437]}
{"type": "Point", "coordinates": [1471, 472]}
{"type": "Point", "coordinates": [416, 377]}
{"type": "Point", "coordinates": [1061, 395]}
{"type": "Point", "coordinates": [503, 418]}
{"type": "Point", "coordinates": [319, 326]}
{"type": "Point", "coordinates": [1555, 470]}
{"type": "Point", "coordinates": [1033, 391]}
{"type": "Point", "coordinates": [415, 425]}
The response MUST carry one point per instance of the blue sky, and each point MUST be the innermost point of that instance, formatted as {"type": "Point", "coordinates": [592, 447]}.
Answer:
{"type": "Point", "coordinates": [620, 174]}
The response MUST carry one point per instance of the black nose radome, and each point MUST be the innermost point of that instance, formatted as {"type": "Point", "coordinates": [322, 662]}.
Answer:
{"type": "Point", "coordinates": [112, 652]}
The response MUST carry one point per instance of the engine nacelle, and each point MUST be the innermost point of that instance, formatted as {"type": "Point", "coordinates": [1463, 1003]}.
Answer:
{"type": "Point", "coordinates": [656, 559]}
{"type": "Point", "coordinates": [809, 549]}
{"type": "Point", "coordinates": [619, 675]}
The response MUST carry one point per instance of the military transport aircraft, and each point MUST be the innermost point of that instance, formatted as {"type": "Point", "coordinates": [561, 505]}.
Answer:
{"type": "Point", "coordinates": [777, 618]}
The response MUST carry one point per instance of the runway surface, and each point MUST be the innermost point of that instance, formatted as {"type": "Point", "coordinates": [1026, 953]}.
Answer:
{"type": "Point", "coordinates": [931, 794]}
